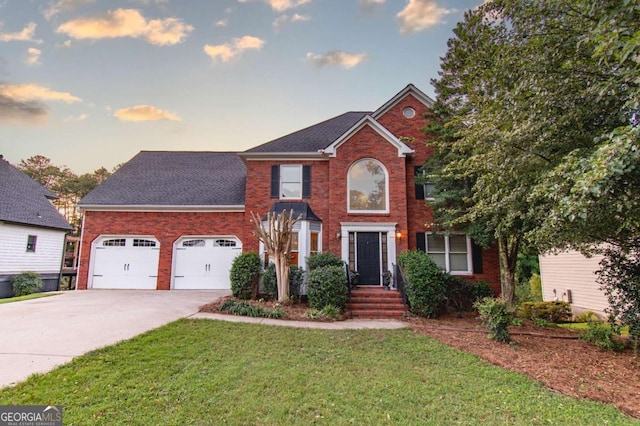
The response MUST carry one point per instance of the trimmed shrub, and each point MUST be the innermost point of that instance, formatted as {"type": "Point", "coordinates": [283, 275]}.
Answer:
{"type": "Point", "coordinates": [26, 283]}
{"type": "Point", "coordinates": [270, 283]}
{"type": "Point", "coordinates": [425, 283]}
{"type": "Point", "coordinates": [461, 294]}
{"type": "Point", "coordinates": [553, 311]}
{"type": "Point", "coordinates": [244, 275]}
{"type": "Point", "coordinates": [495, 315]}
{"type": "Point", "coordinates": [603, 336]}
{"type": "Point", "coordinates": [327, 286]}
{"type": "Point", "coordinates": [320, 260]}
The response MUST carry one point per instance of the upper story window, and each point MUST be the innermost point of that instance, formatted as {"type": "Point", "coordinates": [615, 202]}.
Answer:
{"type": "Point", "coordinates": [368, 187]}
{"type": "Point", "coordinates": [31, 243]}
{"type": "Point", "coordinates": [290, 181]}
{"type": "Point", "coordinates": [424, 190]}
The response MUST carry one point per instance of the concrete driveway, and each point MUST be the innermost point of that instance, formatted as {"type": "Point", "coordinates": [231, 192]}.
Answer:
{"type": "Point", "coordinates": [40, 334]}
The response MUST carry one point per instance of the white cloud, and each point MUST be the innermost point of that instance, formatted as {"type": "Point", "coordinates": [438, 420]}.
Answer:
{"type": "Point", "coordinates": [226, 52]}
{"type": "Point", "coordinates": [283, 20]}
{"type": "Point", "coordinates": [33, 92]}
{"type": "Point", "coordinates": [63, 5]}
{"type": "Point", "coordinates": [281, 5]}
{"type": "Point", "coordinates": [221, 23]}
{"type": "Point", "coordinates": [370, 5]}
{"type": "Point", "coordinates": [336, 57]}
{"type": "Point", "coordinates": [127, 23]}
{"type": "Point", "coordinates": [67, 44]}
{"type": "Point", "coordinates": [72, 119]}
{"type": "Point", "coordinates": [24, 102]}
{"type": "Point", "coordinates": [26, 34]}
{"type": "Point", "coordinates": [145, 113]}
{"type": "Point", "coordinates": [33, 57]}
{"type": "Point", "coordinates": [419, 15]}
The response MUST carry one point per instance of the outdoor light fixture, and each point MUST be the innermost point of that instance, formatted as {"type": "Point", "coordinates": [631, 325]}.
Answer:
{"type": "Point", "coordinates": [338, 234]}
{"type": "Point", "coordinates": [398, 234]}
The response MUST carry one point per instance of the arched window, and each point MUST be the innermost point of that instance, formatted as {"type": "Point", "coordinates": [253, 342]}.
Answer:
{"type": "Point", "coordinates": [368, 187]}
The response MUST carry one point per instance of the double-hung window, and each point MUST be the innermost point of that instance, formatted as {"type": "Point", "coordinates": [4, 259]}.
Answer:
{"type": "Point", "coordinates": [290, 181]}
{"type": "Point", "coordinates": [424, 190]}
{"type": "Point", "coordinates": [453, 253]}
{"type": "Point", "coordinates": [31, 243]}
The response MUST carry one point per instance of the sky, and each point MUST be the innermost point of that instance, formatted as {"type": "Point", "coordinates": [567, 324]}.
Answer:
{"type": "Point", "coordinates": [90, 83]}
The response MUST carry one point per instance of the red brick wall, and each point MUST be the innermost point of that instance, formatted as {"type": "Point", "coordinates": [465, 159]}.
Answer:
{"type": "Point", "coordinates": [167, 227]}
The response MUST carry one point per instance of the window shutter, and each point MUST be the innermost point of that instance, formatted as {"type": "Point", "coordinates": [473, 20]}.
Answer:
{"type": "Point", "coordinates": [306, 181]}
{"type": "Point", "coordinates": [421, 237]}
{"type": "Point", "coordinates": [275, 181]}
{"type": "Point", "coordinates": [476, 252]}
{"type": "Point", "coordinates": [419, 188]}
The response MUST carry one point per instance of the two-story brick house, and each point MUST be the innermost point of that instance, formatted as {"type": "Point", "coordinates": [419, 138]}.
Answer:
{"type": "Point", "coordinates": [176, 220]}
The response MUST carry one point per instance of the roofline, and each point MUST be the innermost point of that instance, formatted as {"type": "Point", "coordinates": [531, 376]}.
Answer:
{"type": "Point", "coordinates": [419, 94]}
{"type": "Point", "coordinates": [156, 208]}
{"type": "Point", "coordinates": [317, 155]}
{"type": "Point", "coordinates": [403, 149]}
{"type": "Point", "coordinates": [33, 225]}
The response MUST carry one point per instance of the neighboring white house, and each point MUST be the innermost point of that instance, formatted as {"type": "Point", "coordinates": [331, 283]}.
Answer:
{"type": "Point", "coordinates": [32, 231]}
{"type": "Point", "coordinates": [569, 276]}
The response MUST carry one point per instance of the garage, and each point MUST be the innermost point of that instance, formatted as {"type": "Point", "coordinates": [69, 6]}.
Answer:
{"type": "Point", "coordinates": [125, 262]}
{"type": "Point", "coordinates": [203, 263]}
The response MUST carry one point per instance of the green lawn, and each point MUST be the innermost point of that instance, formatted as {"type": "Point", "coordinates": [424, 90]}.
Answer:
{"type": "Point", "coordinates": [200, 372]}
{"type": "Point", "coordinates": [26, 297]}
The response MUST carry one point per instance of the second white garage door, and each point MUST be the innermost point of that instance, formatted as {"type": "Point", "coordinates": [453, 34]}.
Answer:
{"type": "Point", "coordinates": [203, 263]}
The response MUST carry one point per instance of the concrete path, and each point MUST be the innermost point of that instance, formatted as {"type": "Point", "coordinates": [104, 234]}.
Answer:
{"type": "Point", "coordinates": [40, 334]}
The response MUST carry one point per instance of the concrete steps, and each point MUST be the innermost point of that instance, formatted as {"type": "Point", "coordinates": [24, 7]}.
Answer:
{"type": "Point", "coordinates": [375, 303]}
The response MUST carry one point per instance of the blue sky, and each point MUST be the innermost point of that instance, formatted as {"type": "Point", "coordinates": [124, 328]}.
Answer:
{"type": "Point", "coordinates": [89, 83]}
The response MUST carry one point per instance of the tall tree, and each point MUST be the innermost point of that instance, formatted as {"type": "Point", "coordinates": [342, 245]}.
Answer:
{"type": "Point", "coordinates": [276, 235]}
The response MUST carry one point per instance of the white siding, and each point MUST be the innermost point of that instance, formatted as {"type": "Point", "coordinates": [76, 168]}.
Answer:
{"type": "Point", "coordinates": [13, 249]}
{"type": "Point", "coordinates": [570, 270]}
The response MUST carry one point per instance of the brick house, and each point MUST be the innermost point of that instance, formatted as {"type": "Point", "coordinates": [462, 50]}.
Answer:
{"type": "Point", "coordinates": [176, 220]}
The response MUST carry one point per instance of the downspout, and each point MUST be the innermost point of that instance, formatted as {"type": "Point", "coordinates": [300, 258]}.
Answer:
{"type": "Point", "coordinates": [80, 251]}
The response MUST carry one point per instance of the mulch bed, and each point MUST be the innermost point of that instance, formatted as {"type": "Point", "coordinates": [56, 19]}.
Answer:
{"type": "Point", "coordinates": [553, 356]}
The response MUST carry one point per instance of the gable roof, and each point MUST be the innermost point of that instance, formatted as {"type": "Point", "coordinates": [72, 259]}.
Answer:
{"type": "Point", "coordinates": [409, 89]}
{"type": "Point", "coordinates": [311, 139]}
{"type": "Point", "coordinates": [178, 179]}
{"type": "Point", "coordinates": [25, 201]}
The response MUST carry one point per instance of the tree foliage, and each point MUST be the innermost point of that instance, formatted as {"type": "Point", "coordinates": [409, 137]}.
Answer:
{"type": "Point", "coordinates": [537, 119]}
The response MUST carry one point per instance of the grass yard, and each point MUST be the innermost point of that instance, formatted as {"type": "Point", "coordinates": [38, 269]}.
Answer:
{"type": "Point", "coordinates": [26, 297]}
{"type": "Point", "coordinates": [200, 372]}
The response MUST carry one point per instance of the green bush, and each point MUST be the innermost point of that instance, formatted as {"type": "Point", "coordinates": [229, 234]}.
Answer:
{"type": "Point", "coordinates": [26, 283]}
{"type": "Point", "coordinates": [246, 309]}
{"type": "Point", "coordinates": [602, 335]}
{"type": "Point", "coordinates": [270, 283]}
{"type": "Point", "coordinates": [586, 316]}
{"type": "Point", "coordinates": [321, 260]}
{"type": "Point", "coordinates": [554, 311]}
{"type": "Point", "coordinates": [328, 312]}
{"type": "Point", "coordinates": [495, 315]}
{"type": "Point", "coordinates": [535, 287]}
{"type": "Point", "coordinates": [244, 275]}
{"type": "Point", "coordinates": [461, 294]}
{"type": "Point", "coordinates": [327, 286]}
{"type": "Point", "coordinates": [425, 283]}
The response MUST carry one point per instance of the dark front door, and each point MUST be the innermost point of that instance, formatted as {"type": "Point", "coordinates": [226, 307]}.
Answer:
{"type": "Point", "coordinates": [368, 257]}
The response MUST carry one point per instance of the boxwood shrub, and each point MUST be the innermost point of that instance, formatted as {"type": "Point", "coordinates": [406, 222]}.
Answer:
{"type": "Point", "coordinates": [26, 283]}
{"type": "Point", "coordinates": [327, 286]}
{"type": "Point", "coordinates": [425, 283]}
{"type": "Point", "coordinates": [244, 275]}
{"type": "Point", "coordinates": [320, 260]}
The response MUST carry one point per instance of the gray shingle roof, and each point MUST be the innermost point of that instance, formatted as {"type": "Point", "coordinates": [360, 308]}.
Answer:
{"type": "Point", "coordinates": [25, 201]}
{"type": "Point", "coordinates": [174, 179]}
{"type": "Point", "coordinates": [313, 138]}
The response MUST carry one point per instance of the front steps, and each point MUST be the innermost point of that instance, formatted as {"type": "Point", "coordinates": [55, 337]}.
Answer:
{"type": "Point", "coordinates": [375, 303]}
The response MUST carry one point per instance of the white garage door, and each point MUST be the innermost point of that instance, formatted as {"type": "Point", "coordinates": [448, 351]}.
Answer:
{"type": "Point", "coordinates": [126, 263]}
{"type": "Point", "coordinates": [204, 262]}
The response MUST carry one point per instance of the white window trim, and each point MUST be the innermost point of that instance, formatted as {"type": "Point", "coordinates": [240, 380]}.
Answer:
{"type": "Point", "coordinates": [424, 189]}
{"type": "Point", "coordinates": [447, 254]}
{"type": "Point", "coordinates": [299, 167]}
{"type": "Point", "coordinates": [303, 228]}
{"type": "Point", "coordinates": [386, 189]}
{"type": "Point", "coordinates": [389, 228]}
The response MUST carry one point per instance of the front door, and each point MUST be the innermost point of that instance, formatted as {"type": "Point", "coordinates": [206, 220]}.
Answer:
{"type": "Point", "coordinates": [368, 257]}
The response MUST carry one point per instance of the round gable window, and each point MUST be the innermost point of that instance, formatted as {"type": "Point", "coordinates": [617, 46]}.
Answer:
{"type": "Point", "coordinates": [409, 112]}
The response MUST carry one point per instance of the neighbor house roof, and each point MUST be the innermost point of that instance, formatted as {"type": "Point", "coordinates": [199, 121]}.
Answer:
{"type": "Point", "coordinates": [161, 178]}
{"type": "Point", "coordinates": [25, 201]}
{"type": "Point", "coordinates": [311, 139]}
